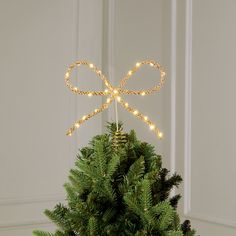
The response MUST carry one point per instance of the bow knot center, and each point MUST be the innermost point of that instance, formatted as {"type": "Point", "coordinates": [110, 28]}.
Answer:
{"type": "Point", "coordinates": [115, 92]}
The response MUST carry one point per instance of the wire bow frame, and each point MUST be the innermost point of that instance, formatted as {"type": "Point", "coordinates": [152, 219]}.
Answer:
{"type": "Point", "coordinates": [115, 93]}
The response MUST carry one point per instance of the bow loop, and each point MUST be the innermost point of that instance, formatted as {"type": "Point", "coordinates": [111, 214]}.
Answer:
{"type": "Point", "coordinates": [143, 92]}
{"type": "Point", "coordinates": [95, 69]}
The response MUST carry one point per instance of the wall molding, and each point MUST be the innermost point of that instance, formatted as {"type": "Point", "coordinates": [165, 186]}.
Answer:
{"type": "Point", "coordinates": [211, 219]}
{"type": "Point", "coordinates": [110, 51]}
{"type": "Point", "coordinates": [73, 103]}
{"type": "Point", "coordinates": [33, 199]}
{"type": "Point", "coordinates": [188, 102]}
{"type": "Point", "coordinates": [188, 212]}
{"type": "Point", "coordinates": [27, 224]}
{"type": "Point", "coordinates": [173, 88]}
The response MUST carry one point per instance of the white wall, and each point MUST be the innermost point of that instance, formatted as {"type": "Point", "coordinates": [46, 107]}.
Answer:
{"type": "Point", "coordinates": [39, 39]}
{"type": "Point", "coordinates": [206, 114]}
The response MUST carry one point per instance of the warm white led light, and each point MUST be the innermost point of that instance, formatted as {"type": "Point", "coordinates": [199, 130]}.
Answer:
{"type": "Point", "coordinates": [135, 112]}
{"type": "Point", "coordinates": [77, 125]}
{"type": "Point", "coordinates": [90, 94]}
{"type": "Point", "coordinates": [118, 98]}
{"type": "Point", "coordinates": [84, 117]}
{"type": "Point", "coordinates": [145, 118]}
{"type": "Point", "coordinates": [163, 73]}
{"type": "Point", "coordinates": [143, 93]}
{"type": "Point", "coordinates": [138, 64]}
{"type": "Point", "coordinates": [160, 135]}
{"type": "Point", "coordinates": [91, 65]}
{"type": "Point", "coordinates": [152, 127]}
{"type": "Point", "coordinates": [130, 72]}
{"type": "Point", "coordinates": [67, 75]}
{"type": "Point", "coordinates": [108, 100]}
{"type": "Point", "coordinates": [126, 104]}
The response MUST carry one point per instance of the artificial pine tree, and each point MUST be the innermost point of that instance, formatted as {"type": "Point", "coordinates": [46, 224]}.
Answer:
{"type": "Point", "coordinates": [118, 188]}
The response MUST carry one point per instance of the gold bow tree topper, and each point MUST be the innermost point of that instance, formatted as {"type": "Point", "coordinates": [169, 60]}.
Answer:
{"type": "Point", "coordinates": [115, 93]}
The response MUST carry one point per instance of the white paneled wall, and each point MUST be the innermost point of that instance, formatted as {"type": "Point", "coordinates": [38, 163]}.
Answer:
{"type": "Point", "coordinates": [39, 39]}
{"type": "Point", "coordinates": [206, 114]}
{"type": "Point", "coordinates": [194, 41]}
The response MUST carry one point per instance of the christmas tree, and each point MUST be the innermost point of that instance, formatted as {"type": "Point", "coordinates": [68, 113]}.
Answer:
{"type": "Point", "coordinates": [119, 188]}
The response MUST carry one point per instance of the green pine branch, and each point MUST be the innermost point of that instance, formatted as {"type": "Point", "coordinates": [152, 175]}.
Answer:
{"type": "Point", "coordinates": [42, 233]}
{"type": "Point", "coordinates": [118, 191]}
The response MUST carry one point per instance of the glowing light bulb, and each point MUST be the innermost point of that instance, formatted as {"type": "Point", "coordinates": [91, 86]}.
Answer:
{"type": "Point", "coordinates": [75, 89]}
{"type": "Point", "coordinates": [118, 98]}
{"type": "Point", "coordinates": [135, 112]}
{"type": "Point", "coordinates": [115, 91]}
{"type": "Point", "coordinates": [99, 72]}
{"type": "Point", "coordinates": [151, 64]}
{"type": "Point", "coordinates": [145, 118]}
{"type": "Point", "coordinates": [69, 133]}
{"type": "Point", "coordinates": [138, 64]}
{"type": "Point", "coordinates": [91, 65]}
{"type": "Point", "coordinates": [90, 94]}
{"type": "Point", "coordinates": [84, 117]}
{"type": "Point", "coordinates": [130, 72]}
{"type": "Point", "coordinates": [106, 91]}
{"type": "Point", "coordinates": [77, 125]}
{"type": "Point", "coordinates": [96, 110]}
{"type": "Point", "coordinates": [143, 93]}
{"type": "Point", "coordinates": [163, 73]}
{"type": "Point", "coordinates": [152, 127]}
{"type": "Point", "coordinates": [126, 104]}
{"type": "Point", "coordinates": [160, 134]}
{"type": "Point", "coordinates": [67, 75]}
{"type": "Point", "coordinates": [106, 83]}
{"type": "Point", "coordinates": [108, 100]}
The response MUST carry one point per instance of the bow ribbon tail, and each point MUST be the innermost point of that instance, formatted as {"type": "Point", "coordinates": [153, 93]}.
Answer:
{"type": "Point", "coordinates": [79, 122]}
{"type": "Point", "coordinates": [140, 116]}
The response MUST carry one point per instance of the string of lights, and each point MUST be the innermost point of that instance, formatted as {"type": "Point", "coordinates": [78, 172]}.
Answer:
{"type": "Point", "coordinates": [115, 93]}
